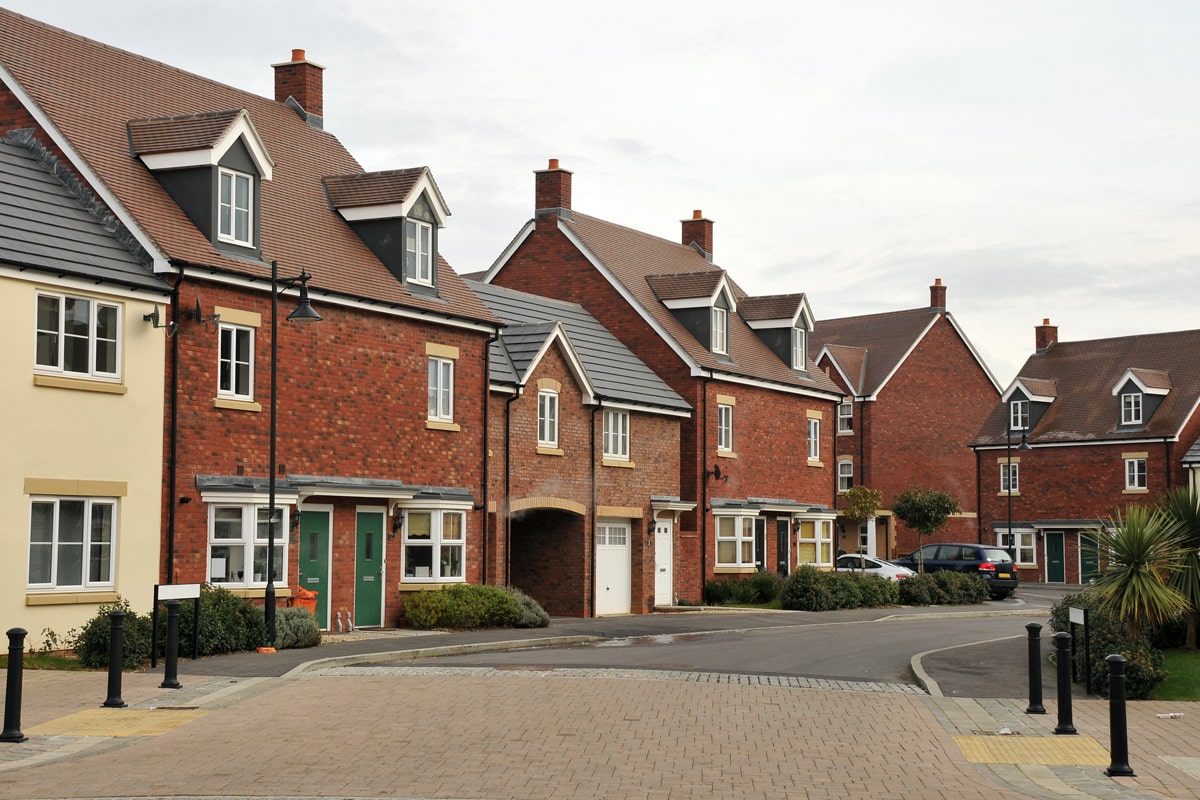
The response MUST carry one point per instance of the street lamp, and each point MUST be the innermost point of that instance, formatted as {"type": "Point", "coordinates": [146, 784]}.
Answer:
{"type": "Point", "coordinates": [1024, 447]}
{"type": "Point", "coordinates": [304, 312]}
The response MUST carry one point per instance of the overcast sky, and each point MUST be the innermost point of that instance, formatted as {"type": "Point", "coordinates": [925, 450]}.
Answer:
{"type": "Point", "coordinates": [1041, 158]}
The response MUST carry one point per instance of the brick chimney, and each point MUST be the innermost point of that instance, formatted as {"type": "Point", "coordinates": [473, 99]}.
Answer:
{"type": "Point", "coordinates": [552, 189]}
{"type": "Point", "coordinates": [698, 231]}
{"type": "Point", "coordinates": [937, 296]}
{"type": "Point", "coordinates": [302, 80]}
{"type": "Point", "coordinates": [1045, 335]}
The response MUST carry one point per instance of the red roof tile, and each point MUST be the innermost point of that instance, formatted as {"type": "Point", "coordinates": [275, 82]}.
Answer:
{"type": "Point", "coordinates": [887, 338]}
{"type": "Point", "coordinates": [183, 132]}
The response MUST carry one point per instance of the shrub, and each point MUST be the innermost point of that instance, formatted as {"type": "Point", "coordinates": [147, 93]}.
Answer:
{"type": "Point", "coordinates": [91, 642]}
{"type": "Point", "coordinates": [921, 590]}
{"type": "Point", "coordinates": [804, 590]}
{"type": "Point", "coordinates": [760, 588]}
{"type": "Point", "coordinates": [530, 613]}
{"type": "Point", "coordinates": [961, 588]}
{"type": "Point", "coordinates": [877, 591]}
{"type": "Point", "coordinates": [466, 606]}
{"type": "Point", "coordinates": [843, 589]}
{"type": "Point", "coordinates": [228, 623]}
{"type": "Point", "coordinates": [719, 592]}
{"type": "Point", "coordinates": [1108, 635]}
{"type": "Point", "coordinates": [764, 586]}
{"type": "Point", "coordinates": [295, 628]}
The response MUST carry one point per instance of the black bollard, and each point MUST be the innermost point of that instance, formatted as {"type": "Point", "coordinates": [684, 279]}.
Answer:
{"type": "Point", "coordinates": [1035, 669]}
{"type": "Point", "coordinates": [1062, 641]}
{"type": "Point", "coordinates": [116, 649]}
{"type": "Point", "coordinates": [171, 669]}
{"type": "Point", "coordinates": [1118, 730]}
{"type": "Point", "coordinates": [12, 689]}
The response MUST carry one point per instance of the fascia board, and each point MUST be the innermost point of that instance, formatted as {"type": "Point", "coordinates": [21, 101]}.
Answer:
{"type": "Point", "coordinates": [378, 211]}
{"type": "Point", "coordinates": [559, 334]}
{"type": "Point", "coordinates": [854, 385]}
{"type": "Point", "coordinates": [704, 372]}
{"type": "Point", "coordinates": [180, 159]}
{"type": "Point", "coordinates": [114, 288]}
{"type": "Point", "coordinates": [243, 128]}
{"type": "Point", "coordinates": [1033, 398]}
{"type": "Point", "coordinates": [93, 181]}
{"type": "Point", "coordinates": [426, 185]}
{"type": "Point", "coordinates": [1089, 443]}
{"type": "Point", "coordinates": [641, 409]}
{"type": "Point", "coordinates": [1129, 376]}
{"type": "Point", "coordinates": [507, 253]}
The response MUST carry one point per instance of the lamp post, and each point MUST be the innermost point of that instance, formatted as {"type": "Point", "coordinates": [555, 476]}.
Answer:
{"type": "Point", "coordinates": [304, 312]}
{"type": "Point", "coordinates": [1024, 447]}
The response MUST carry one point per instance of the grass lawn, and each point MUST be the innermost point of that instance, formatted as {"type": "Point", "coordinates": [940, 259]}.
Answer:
{"type": "Point", "coordinates": [1183, 676]}
{"type": "Point", "coordinates": [45, 661]}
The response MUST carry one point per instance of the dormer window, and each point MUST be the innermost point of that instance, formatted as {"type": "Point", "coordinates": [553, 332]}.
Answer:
{"type": "Point", "coordinates": [418, 251]}
{"type": "Point", "coordinates": [799, 349]}
{"type": "Point", "coordinates": [1131, 408]}
{"type": "Point", "coordinates": [235, 213]}
{"type": "Point", "coordinates": [1018, 415]}
{"type": "Point", "coordinates": [720, 331]}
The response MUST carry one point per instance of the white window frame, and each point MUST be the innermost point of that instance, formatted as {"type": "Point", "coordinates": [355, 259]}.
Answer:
{"type": "Point", "coordinates": [1018, 415]}
{"type": "Point", "coordinates": [845, 475]}
{"type": "Point", "coordinates": [253, 537]}
{"type": "Point", "coordinates": [814, 439]}
{"type": "Point", "coordinates": [441, 389]}
{"type": "Point", "coordinates": [91, 550]}
{"type": "Point", "coordinates": [418, 251]}
{"type": "Point", "coordinates": [1131, 408]}
{"type": "Point", "coordinates": [1135, 473]}
{"type": "Point", "coordinates": [799, 349]}
{"type": "Point", "coordinates": [735, 531]}
{"type": "Point", "coordinates": [450, 565]}
{"type": "Point", "coordinates": [1023, 545]}
{"type": "Point", "coordinates": [1010, 477]}
{"type": "Point", "coordinates": [229, 362]}
{"type": "Point", "coordinates": [229, 211]}
{"type": "Point", "coordinates": [616, 435]}
{"type": "Point", "coordinates": [720, 331]}
{"type": "Point", "coordinates": [845, 417]}
{"type": "Point", "coordinates": [50, 344]}
{"type": "Point", "coordinates": [724, 428]}
{"type": "Point", "coordinates": [548, 418]}
{"type": "Point", "coordinates": [821, 540]}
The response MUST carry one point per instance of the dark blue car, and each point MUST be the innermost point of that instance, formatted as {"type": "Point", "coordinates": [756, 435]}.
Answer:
{"type": "Point", "coordinates": [993, 564]}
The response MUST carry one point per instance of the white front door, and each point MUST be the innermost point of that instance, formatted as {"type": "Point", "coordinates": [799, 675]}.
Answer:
{"type": "Point", "coordinates": [664, 562]}
{"type": "Point", "coordinates": [612, 567]}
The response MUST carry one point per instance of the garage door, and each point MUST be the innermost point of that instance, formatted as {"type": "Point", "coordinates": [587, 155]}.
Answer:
{"type": "Point", "coordinates": [612, 567]}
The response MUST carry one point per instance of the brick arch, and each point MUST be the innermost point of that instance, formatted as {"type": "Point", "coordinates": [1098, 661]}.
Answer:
{"type": "Point", "coordinates": [548, 502]}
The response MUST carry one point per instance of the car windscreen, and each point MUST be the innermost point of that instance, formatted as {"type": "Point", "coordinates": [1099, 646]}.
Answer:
{"type": "Point", "coordinates": [996, 554]}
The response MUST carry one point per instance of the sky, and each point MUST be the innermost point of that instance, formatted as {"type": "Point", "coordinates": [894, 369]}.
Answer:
{"type": "Point", "coordinates": [1041, 158]}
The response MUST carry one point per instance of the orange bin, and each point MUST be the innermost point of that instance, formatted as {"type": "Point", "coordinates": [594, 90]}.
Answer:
{"type": "Point", "coordinates": [305, 599]}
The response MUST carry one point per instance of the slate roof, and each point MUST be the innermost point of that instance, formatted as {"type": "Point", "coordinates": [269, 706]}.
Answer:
{"type": "Point", "coordinates": [1084, 374]}
{"type": "Point", "coordinates": [633, 257]}
{"type": "Point", "coordinates": [44, 226]}
{"type": "Point", "coordinates": [91, 91]}
{"type": "Point", "coordinates": [879, 341]}
{"type": "Point", "coordinates": [614, 371]}
{"type": "Point", "coordinates": [1193, 454]}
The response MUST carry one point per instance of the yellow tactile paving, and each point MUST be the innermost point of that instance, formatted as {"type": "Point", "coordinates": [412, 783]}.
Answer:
{"type": "Point", "coordinates": [1050, 751]}
{"type": "Point", "coordinates": [117, 722]}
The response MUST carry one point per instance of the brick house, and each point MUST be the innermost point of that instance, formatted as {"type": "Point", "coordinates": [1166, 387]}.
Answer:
{"type": "Point", "coordinates": [588, 488]}
{"type": "Point", "coordinates": [382, 425]}
{"type": "Point", "coordinates": [756, 455]}
{"type": "Point", "coordinates": [1084, 430]}
{"type": "Point", "coordinates": [917, 392]}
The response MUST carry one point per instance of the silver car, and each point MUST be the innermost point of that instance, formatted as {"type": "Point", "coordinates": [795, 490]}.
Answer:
{"type": "Point", "coordinates": [869, 565]}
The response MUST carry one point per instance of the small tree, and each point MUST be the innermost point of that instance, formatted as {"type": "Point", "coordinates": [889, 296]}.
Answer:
{"type": "Point", "coordinates": [861, 505]}
{"type": "Point", "coordinates": [925, 511]}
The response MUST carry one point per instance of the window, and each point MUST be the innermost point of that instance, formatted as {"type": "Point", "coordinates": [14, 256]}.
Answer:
{"type": "Point", "coordinates": [814, 440]}
{"type": "Point", "coordinates": [616, 435]}
{"type": "Point", "coordinates": [845, 417]}
{"type": "Point", "coordinates": [434, 545]}
{"type": "Point", "coordinates": [418, 251]}
{"type": "Point", "coordinates": [238, 538]}
{"type": "Point", "coordinates": [720, 330]}
{"type": "Point", "coordinates": [441, 389]}
{"type": "Point", "coordinates": [1018, 415]}
{"type": "Point", "coordinates": [799, 352]}
{"type": "Point", "coordinates": [1020, 544]}
{"type": "Point", "coordinates": [814, 544]}
{"type": "Point", "coordinates": [864, 538]}
{"type": "Point", "coordinates": [234, 208]}
{"type": "Point", "coordinates": [735, 542]}
{"type": "Point", "coordinates": [236, 362]}
{"type": "Point", "coordinates": [548, 418]}
{"type": "Point", "coordinates": [845, 475]}
{"type": "Point", "coordinates": [71, 542]}
{"type": "Point", "coordinates": [724, 428]}
{"type": "Point", "coordinates": [77, 336]}
{"type": "Point", "coordinates": [1009, 477]}
{"type": "Point", "coordinates": [1131, 408]}
{"type": "Point", "coordinates": [1135, 473]}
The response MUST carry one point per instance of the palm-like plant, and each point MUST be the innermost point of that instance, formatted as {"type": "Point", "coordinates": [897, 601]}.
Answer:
{"type": "Point", "coordinates": [1183, 506]}
{"type": "Point", "coordinates": [1144, 547]}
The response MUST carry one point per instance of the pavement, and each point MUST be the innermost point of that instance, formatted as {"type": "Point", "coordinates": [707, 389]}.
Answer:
{"type": "Point", "coordinates": [350, 719]}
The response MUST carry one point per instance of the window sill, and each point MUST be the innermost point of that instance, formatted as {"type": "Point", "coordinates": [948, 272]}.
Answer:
{"type": "Point", "coordinates": [255, 592]}
{"type": "Point", "coordinates": [422, 585]}
{"type": "Point", "coordinates": [236, 405]}
{"type": "Point", "coordinates": [438, 425]}
{"type": "Point", "coordinates": [735, 570]}
{"type": "Point", "coordinates": [609, 462]}
{"type": "Point", "coordinates": [845, 433]}
{"type": "Point", "coordinates": [79, 384]}
{"type": "Point", "coordinates": [71, 598]}
{"type": "Point", "coordinates": [1008, 494]}
{"type": "Point", "coordinates": [1136, 491]}
{"type": "Point", "coordinates": [726, 454]}
{"type": "Point", "coordinates": [550, 451]}
{"type": "Point", "coordinates": [814, 463]}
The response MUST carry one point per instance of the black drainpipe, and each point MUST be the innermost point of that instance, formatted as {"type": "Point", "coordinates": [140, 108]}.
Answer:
{"type": "Point", "coordinates": [487, 393]}
{"type": "Point", "coordinates": [1167, 460]}
{"type": "Point", "coordinates": [590, 588]}
{"type": "Point", "coordinates": [979, 497]}
{"type": "Point", "coordinates": [508, 485]}
{"type": "Point", "coordinates": [172, 469]}
{"type": "Point", "coordinates": [704, 485]}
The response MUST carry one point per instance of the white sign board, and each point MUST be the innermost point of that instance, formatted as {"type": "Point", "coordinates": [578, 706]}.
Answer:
{"type": "Point", "coordinates": [1078, 615]}
{"type": "Point", "coordinates": [178, 591]}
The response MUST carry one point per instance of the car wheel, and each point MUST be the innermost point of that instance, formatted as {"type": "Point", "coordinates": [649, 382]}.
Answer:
{"type": "Point", "coordinates": [1001, 595]}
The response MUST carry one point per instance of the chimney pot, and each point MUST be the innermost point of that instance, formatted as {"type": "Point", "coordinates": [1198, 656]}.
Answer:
{"type": "Point", "coordinates": [553, 163]}
{"type": "Point", "coordinates": [297, 55]}
{"type": "Point", "coordinates": [697, 214]}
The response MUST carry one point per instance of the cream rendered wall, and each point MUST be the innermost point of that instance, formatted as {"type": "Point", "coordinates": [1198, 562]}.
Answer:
{"type": "Point", "coordinates": [69, 434]}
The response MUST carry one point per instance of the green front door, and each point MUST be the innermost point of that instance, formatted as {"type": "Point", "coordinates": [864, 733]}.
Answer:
{"type": "Point", "coordinates": [368, 570]}
{"type": "Point", "coordinates": [1056, 562]}
{"type": "Point", "coordinates": [314, 560]}
{"type": "Point", "coordinates": [1089, 557]}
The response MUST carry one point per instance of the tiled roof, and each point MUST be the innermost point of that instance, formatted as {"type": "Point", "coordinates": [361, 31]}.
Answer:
{"type": "Point", "coordinates": [1193, 453]}
{"type": "Point", "coordinates": [1039, 387]}
{"type": "Point", "coordinates": [853, 364]}
{"type": "Point", "coordinates": [631, 256]}
{"type": "Point", "coordinates": [181, 132]}
{"type": "Point", "coordinates": [614, 371]}
{"type": "Point", "coordinates": [90, 92]}
{"type": "Point", "coordinates": [373, 188]}
{"type": "Point", "coordinates": [778, 306]}
{"type": "Point", "coordinates": [44, 226]}
{"type": "Point", "coordinates": [1084, 374]}
{"type": "Point", "coordinates": [886, 338]}
{"type": "Point", "coordinates": [685, 286]}
{"type": "Point", "coordinates": [1152, 378]}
